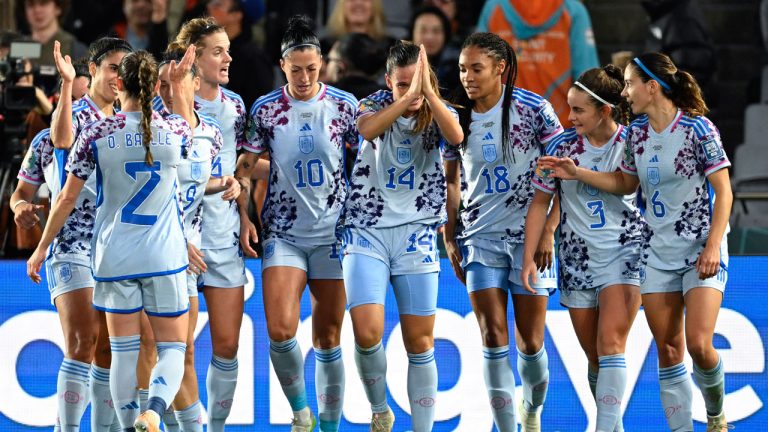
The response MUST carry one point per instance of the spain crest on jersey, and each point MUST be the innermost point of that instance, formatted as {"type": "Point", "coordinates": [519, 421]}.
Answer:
{"type": "Point", "coordinates": [306, 144]}
{"type": "Point", "coordinates": [654, 177]}
{"type": "Point", "coordinates": [489, 152]}
{"type": "Point", "coordinates": [403, 155]}
{"type": "Point", "coordinates": [196, 171]}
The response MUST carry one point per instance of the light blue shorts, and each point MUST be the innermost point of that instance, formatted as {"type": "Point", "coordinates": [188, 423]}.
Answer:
{"type": "Point", "coordinates": [586, 298]}
{"type": "Point", "coordinates": [623, 267]}
{"type": "Point", "coordinates": [654, 280]}
{"type": "Point", "coordinates": [319, 262]}
{"type": "Point", "coordinates": [226, 268]}
{"type": "Point", "coordinates": [194, 283]}
{"type": "Point", "coordinates": [64, 277]}
{"type": "Point", "coordinates": [498, 264]}
{"type": "Point", "coordinates": [366, 280]}
{"type": "Point", "coordinates": [406, 249]}
{"type": "Point", "coordinates": [158, 295]}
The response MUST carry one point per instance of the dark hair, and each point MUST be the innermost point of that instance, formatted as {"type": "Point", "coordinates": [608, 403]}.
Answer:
{"type": "Point", "coordinates": [498, 49]}
{"type": "Point", "coordinates": [404, 53]}
{"type": "Point", "coordinates": [683, 90]}
{"type": "Point", "coordinates": [608, 83]}
{"type": "Point", "coordinates": [105, 46]}
{"type": "Point", "coordinates": [299, 35]}
{"type": "Point", "coordinates": [194, 30]}
{"type": "Point", "coordinates": [138, 71]}
{"type": "Point", "coordinates": [432, 10]}
{"type": "Point", "coordinates": [361, 53]}
{"type": "Point", "coordinates": [175, 52]}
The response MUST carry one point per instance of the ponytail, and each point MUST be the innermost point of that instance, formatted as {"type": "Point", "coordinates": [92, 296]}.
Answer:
{"type": "Point", "coordinates": [603, 87]}
{"type": "Point", "coordinates": [138, 71]}
{"type": "Point", "coordinates": [678, 86]}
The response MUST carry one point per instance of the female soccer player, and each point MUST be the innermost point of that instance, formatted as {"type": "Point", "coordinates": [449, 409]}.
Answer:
{"type": "Point", "coordinates": [506, 129]}
{"type": "Point", "coordinates": [68, 121]}
{"type": "Point", "coordinates": [224, 277]}
{"type": "Point", "coordinates": [676, 156]}
{"type": "Point", "coordinates": [305, 127]}
{"type": "Point", "coordinates": [600, 237]}
{"type": "Point", "coordinates": [395, 202]}
{"type": "Point", "coordinates": [139, 247]}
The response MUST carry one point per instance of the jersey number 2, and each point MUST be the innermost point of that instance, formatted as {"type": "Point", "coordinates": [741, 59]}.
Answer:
{"type": "Point", "coordinates": [128, 213]}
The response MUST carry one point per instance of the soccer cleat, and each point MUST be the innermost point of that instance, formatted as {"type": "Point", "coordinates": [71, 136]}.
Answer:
{"type": "Point", "coordinates": [529, 421]}
{"type": "Point", "coordinates": [718, 424]}
{"type": "Point", "coordinates": [148, 421]}
{"type": "Point", "coordinates": [383, 422]}
{"type": "Point", "coordinates": [309, 426]}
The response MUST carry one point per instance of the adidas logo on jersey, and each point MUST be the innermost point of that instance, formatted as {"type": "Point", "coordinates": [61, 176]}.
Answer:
{"type": "Point", "coordinates": [131, 406]}
{"type": "Point", "coordinates": [654, 159]}
{"type": "Point", "coordinates": [406, 141]}
{"type": "Point", "coordinates": [488, 137]}
{"type": "Point", "coordinates": [159, 380]}
{"type": "Point", "coordinates": [305, 128]}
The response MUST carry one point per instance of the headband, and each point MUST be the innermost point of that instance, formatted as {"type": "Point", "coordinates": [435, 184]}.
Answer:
{"type": "Point", "coordinates": [119, 46]}
{"type": "Point", "coordinates": [651, 75]}
{"type": "Point", "coordinates": [593, 94]}
{"type": "Point", "coordinates": [285, 51]}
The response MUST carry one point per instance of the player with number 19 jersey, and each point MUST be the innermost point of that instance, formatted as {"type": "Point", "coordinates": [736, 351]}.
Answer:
{"type": "Point", "coordinates": [137, 204]}
{"type": "Point", "coordinates": [672, 167]}
{"type": "Point", "coordinates": [396, 180]}
{"type": "Point", "coordinates": [306, 142]}
{"type": "Point", "coordinates": [221, 227]}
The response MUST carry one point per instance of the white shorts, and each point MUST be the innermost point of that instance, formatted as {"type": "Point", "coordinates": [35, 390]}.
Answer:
{"type": "Point", "coordinates": [585, 298]}
{"type": "Point", "coordinates": [226, 268]}
{"type": "Point", "coordinates": [157, 295]}
{"type": "Point", "coordinates": [319, 262]}
{"type": "Point", "coordinates": [490, 263]}
{"type": "Point", "coordinates": [194, 283]}
{"type": "Point", "coordinates": [406, 249]}
{"type": "Point", "coordinates": [64, 277]}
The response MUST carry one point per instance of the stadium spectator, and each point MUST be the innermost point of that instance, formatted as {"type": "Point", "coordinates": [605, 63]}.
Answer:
{"type": "Point", "coordinates": [43, 17]}
{"type": "Point", "coordinates": [353, 64]}
{"type": "Point", "coordinates": [251, 73]}
{"type": "Point", "coordinates": [145, 26]}
{"type": "Point", "coordinates": [431, 27]}
{"type": "Point", "coordinates": [553, 41]}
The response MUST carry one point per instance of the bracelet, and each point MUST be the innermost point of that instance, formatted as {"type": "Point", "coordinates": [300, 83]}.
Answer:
{"type": "Point", "coordinates": [13, 207]}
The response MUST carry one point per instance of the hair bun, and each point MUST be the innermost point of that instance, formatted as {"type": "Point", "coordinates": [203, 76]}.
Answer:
{"type": "Point", "coordinates": [301, 22]}
{"type": "Point", "coordinates": [614, 72]}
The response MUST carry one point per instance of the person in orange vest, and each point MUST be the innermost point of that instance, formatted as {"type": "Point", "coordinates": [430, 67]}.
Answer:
{"type": "Point", "coordinates": [553, 41]}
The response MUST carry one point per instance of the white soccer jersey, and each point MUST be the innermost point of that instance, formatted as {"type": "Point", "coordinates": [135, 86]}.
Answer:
{"type": "Point", "coordinates": [596, 227]}
{"type": "Point", "coordinates": [306, 141]}
{"type": "Point", "coordinates": [496, 192]}
{"type": "Point", "coordinates": [46, 164]}
{"type": "Point", "coordinates": [673, 167]}
{"type": "Point", "coordinates": [138, 230]}
{"type": "Point", "coordinates": [194, 172]}
{"type": "Point", "coordinates": [398, 177]}
{"type": "Point", "coordinates": [221, 229]}
{"type": "Point", "coordinates": [84, 112]}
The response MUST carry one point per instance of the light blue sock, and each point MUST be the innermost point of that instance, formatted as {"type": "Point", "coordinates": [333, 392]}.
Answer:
{"type": "Point", "coordinates": [103, 415]}
{"type": "Point", "coordinates": [169, 420]}
{"type": "Point", "coordinates": [675, 386]}
{"type": "Point", "coordinates": [712, 385]}
{"type": "Point", "coordinates": [288, 363]}
{"type": "Point", "coordinates": [220, 383]}
{"type": "Point", "coordinates": [500, 384]}
{"type": "Point", "coordinates": [329, 387]}
{"type": "Point", "coordinates": [166, 376]}
{"type": "Point", "coordinates": [190, 418]}
{"type": "Point", "coordinates": [143, 399]}
{"type": "Point", "coordinates": [72, 391]}
{"type": "Point", "coordinates": [534, 373]}
{"type": "Point", "coordinates": [422, 389]}
{"type": "Point", "coordinates": [372, 368]}
{"type": "Point", "coordinates": [122, 379]}
{"type": "Point", "coordinates": [611, 383]}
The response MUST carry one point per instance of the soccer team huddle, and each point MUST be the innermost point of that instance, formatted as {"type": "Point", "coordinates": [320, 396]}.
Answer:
{"type": "Point", "coordinates": [150, 207]}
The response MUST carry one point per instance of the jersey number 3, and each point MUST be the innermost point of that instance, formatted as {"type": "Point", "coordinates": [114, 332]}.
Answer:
{"type": "Point", "coordinates": [128, 213]}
